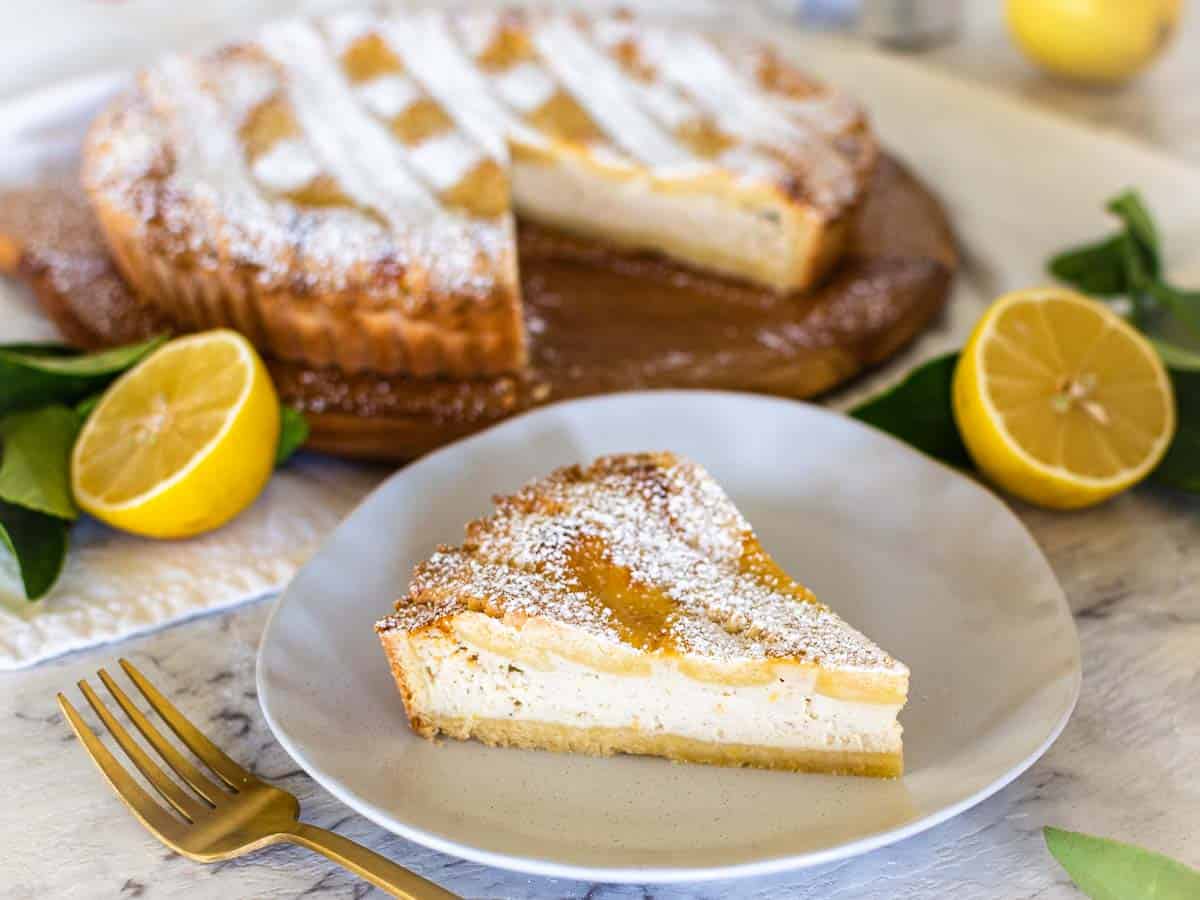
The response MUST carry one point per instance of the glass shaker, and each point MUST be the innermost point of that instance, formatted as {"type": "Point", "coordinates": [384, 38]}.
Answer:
{"type": "Point", "coordinates": [910, 24]}
{"type": "Point", "coordinates": [901, 24]}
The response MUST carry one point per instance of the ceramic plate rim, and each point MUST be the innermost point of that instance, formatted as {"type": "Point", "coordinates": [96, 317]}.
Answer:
{"type": "Point", "coordinates": [659, 874]}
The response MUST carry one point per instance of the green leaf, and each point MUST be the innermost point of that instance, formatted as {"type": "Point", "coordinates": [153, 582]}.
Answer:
{"type": "Point", "coordinates": [1139, 279]}
{"type": "Point", "coordinates": [1180, 468]}
{"type": "Point", "coordinates": [35, 375]}
{"type": "Point", "coordinates": [39, 544]}
{"type": "Point", "coordinates": [1177, 358]}
{"type": "Point", "coordinates": [293, 431]}
{"type": "Point", "coordinates": [84, 407]}
{"type": "Point", "coordinates": [1109, 870]}
{"type": "Point", "coordinates": [919, 410]}
{"type": "Point", "coordinates": [1129, 263]}
{"type": "Point", "coordinates": [53, 360]}
{"type": "Point", "coordinates": [1128, 206]}
{"type": "Point", "coordinates": [36, 463]}
{"type": "Point", "coordinates": [1097, 269]}
{"type": "Point", "coordinates": [41, 348]}
{"type": "Point", "coordinates": [1182, 306]}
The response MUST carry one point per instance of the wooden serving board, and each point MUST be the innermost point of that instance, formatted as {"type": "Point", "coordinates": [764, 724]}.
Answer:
{"type": "Point", "coordinates": [598, 322]}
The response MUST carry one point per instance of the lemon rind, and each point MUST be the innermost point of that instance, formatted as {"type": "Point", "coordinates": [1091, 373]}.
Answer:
{"type": "Point", "coordinates": [1126, 477]}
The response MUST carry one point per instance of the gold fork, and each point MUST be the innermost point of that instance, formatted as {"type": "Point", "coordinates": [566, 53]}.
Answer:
{"type": "Point", "coordinates": [237, 816]}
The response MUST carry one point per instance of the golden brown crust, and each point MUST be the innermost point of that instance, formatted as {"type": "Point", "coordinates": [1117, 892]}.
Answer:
{"type": "Point", "coordinates": [10, 254]}
{"type": "Point", "coordinates": [375, 324]}
{"type": "Point", "coordinates": [607, 741]}
{"type": "Point", "coordinates": [394, 649]}
{"type": "Point", "coordinates": [317, 329]}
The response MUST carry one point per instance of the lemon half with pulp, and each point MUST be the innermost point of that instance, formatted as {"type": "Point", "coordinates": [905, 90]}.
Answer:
{"type": "Point", "coordinates": [182, 442]}
{"type": "Point", "coordinates": [1060, 401]}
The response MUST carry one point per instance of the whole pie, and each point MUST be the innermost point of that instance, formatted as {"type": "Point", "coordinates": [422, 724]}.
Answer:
{"type": "Point", "coordinates": [344, 190]}
{"type": "Point", "coordinates": [628, 607]}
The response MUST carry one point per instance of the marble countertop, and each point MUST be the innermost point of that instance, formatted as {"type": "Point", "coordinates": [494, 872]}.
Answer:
{"type": "Point", "coordinates": [1125, 766]}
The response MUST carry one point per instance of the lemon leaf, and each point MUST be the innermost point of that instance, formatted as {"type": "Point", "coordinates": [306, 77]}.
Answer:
{"type": "Point", "coordinates": [919, 410]}
{"type": "Point", "coordinates": [1129, 263]}
{"type": "Point", "coordinates": [1182, 306]}
{"type": "Point", "coordinates": [1139, 224]}
{"type": "Point", "coordinates": [85, 406]}
{"type": "Point", "coordinates": [1180, 468]}
{"type": "Point", "coordinates": [1110, 870]}
{"type": "Point", "coordinates": [34, 375]}
{"type": "Point", "coordinates": [1097, 269]}
{"type": "Point", "coordinates": [293, 432]}
{"type": "Point", "coordinates": [37, 543]}
{"type": "Point", "coordinates": [1177, 358]}
{"type": "Point", "coordinates": [35, 469]}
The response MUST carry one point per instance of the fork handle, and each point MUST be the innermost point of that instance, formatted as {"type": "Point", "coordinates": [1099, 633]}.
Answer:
{"type": "Point", "coordinates": [379, 870]}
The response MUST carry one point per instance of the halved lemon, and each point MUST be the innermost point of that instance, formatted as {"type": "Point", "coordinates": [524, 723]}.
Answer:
{"type": "Point", "coordinates": [182, 442]}
{"type": "Point", "coordinates": [1060, 401]}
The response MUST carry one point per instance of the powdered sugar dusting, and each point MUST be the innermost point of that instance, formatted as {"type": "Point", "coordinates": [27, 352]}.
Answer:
{"type": "Point", "coordinates": [446, 159]}
{"type": "Point", "coordinates": [344, 29]}
{"type": "Point", "coordinates": [388, 95]}
{"type": "Point", "coordinates": [670, 527]}
{"type": "Point", "coordinates": [476, 29]}
{"type": "Point", "coordinates": [669, 105]}
{"type": "Point", "coordinates": [426, 42]}
{"type": "Point", "coordinates": [357, 150]}
{"type": "Point", "coordinates": [612, 31]}
{"type": "Point", "coordinates": [207, 151]}
{"type": "Point", "coordinates": [245, 84]}
{"type": "Point", "coordinates": [525, 86]}
{"type": "Point", "coordinates": [598, 83]}
{"type": "Point", "coordinates": [695, 65]}
{"type": "Point", "coordinates": [288, 166]}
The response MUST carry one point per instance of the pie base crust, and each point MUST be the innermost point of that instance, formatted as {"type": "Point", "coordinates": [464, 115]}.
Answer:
{"type": "Point", "coordinates": [603, 741]}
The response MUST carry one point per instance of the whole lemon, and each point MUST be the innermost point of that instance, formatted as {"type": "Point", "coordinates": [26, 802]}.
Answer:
{"type": "Point", "coordinates": [1097, 41]}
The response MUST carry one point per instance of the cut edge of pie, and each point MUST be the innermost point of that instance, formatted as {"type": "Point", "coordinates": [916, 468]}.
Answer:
{"type": "Point", "coordinates": [628, 607]}
{"type": "Point", "coordinates": [343, 190]}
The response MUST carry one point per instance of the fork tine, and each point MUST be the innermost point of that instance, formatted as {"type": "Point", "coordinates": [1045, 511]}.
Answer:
{"type": "Point", "coordinates": [180, 765]}
{"type": "Point", "coordinates": [202, 784]}
{"type": "Point", "coordinates": [154, 817]}
{"type": "Point", "coordinates": [186, 806]}
{"type": "Point", "coordinates": [208, 752]}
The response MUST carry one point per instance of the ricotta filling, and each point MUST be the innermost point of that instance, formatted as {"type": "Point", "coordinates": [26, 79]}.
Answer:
{"type": "Point", "coordinates": [752, 240]}
{"type": "Point", "coordinates": [466, 681]}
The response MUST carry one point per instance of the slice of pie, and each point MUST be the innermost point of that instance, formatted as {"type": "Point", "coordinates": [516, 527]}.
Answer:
{"type": "Point", "coordinates": [629, 608]}
{"type": "Point", "coordinates": [343, 190]}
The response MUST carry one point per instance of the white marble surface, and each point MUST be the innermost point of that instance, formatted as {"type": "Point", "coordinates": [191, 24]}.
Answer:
{"type": "Point", "coordinates": [1125, 766]}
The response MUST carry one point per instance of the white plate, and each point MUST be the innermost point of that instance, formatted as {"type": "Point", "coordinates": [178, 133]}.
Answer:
{"type": "Point", "coordinates": [926, 562]}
